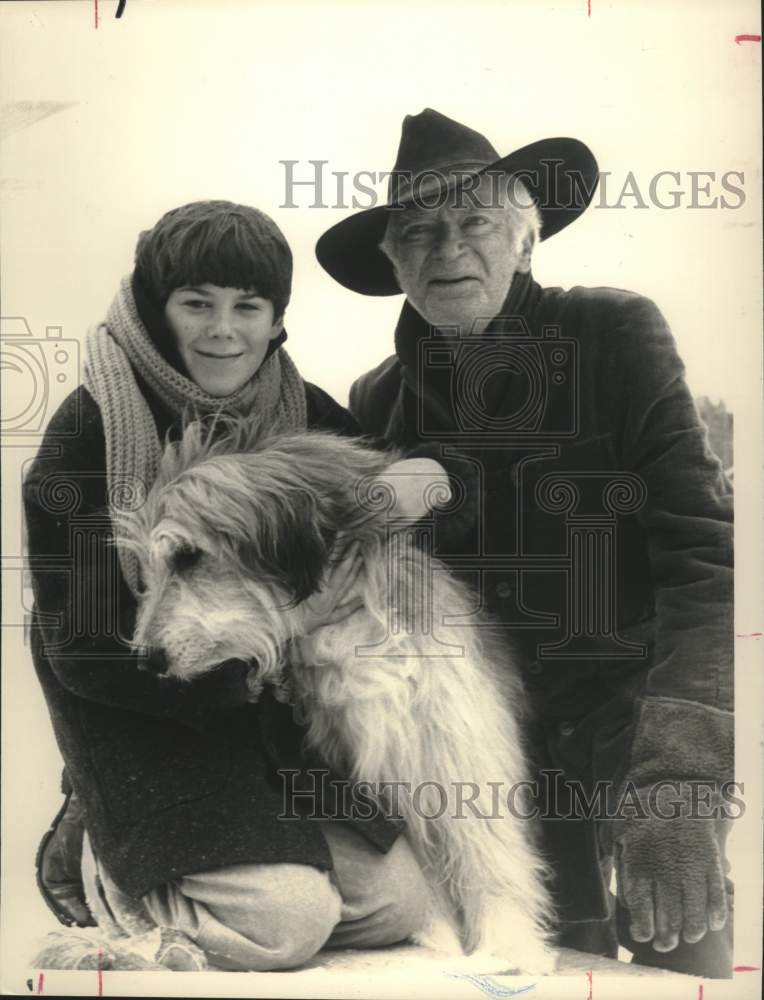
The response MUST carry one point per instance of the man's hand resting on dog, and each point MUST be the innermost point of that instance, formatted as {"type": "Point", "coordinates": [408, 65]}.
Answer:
{"type": "Point", "coordinates": [417, 485]}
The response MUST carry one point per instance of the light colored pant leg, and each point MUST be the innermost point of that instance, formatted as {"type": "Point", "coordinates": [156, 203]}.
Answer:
{"type": "Point", "coordinates": [244, 917]}
{"type": "Point", "coordinates": [260, 917]}
{"type": "Point", "coordinates": [384, 896]}
{"type": "Point", "coordinates": [251, 917]}
{"type": "Point", "coordinates": [279, 915]}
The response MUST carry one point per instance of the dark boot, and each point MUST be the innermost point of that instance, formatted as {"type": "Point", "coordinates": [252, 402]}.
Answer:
{"type": "Point", "coordinates": [57, 865]}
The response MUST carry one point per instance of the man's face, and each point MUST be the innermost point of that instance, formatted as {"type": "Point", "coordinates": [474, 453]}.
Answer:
{"type": "Point", "coordinates": [455, 263]}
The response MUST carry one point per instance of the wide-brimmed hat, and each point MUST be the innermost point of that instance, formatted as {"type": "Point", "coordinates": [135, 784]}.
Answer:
{"type": "Point", "coordinates": [438, 155]}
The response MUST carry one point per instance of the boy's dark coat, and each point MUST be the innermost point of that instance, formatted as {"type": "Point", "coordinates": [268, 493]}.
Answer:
{"type": "Point", "coordinates": [173, 778]}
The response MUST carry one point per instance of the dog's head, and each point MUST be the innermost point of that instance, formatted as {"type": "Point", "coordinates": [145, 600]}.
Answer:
{"type": "Point", "coordinates": [231, 541]}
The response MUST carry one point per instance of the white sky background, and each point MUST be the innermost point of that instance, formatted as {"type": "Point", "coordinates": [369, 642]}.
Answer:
{"type": "Point", "coordinates": [179, 101]}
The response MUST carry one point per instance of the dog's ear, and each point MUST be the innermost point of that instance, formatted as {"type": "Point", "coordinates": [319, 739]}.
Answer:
{"type": "Point", "coordinates": [293, 550]}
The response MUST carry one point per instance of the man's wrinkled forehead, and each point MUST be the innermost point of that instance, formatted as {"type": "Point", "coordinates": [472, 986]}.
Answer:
{"type": "Point", "coordinates": [417, 213]}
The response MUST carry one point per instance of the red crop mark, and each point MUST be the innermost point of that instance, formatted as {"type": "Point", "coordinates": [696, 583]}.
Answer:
{"type": "Point", "coordinates": [40, 983]}
{"type": "Point", "coordinates": [588, 8]}
{"type": "Point", "coordinates": [749, 635]}
{"type": "Point", "coordinates": [100, 972]}
{"type": "Point", "coordinates": [590, 977]}
{"type": "Point", "coordinates": [700, 991]}
{"type": "Point", "coordinates": [95, 12]}
{"type": "Point", "coordinates": [745, 968]}
{"type": "Point", "coordinates": [747, 38]}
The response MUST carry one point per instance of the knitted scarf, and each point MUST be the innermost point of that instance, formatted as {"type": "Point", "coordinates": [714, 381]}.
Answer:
{"type": "Point", "coordinates": [122, 346]}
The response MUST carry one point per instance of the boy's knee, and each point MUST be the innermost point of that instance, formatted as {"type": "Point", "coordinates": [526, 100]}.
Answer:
{"type": "Point", "coordinates": [302, 926]}
{"type": "Point", "coordinates": [257, 917]}
{"type": "Point", "coordinates": [292, 917]}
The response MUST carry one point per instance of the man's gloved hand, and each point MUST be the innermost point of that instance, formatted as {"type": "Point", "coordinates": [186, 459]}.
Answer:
{"type": "Point", "coordinates": [58, 865]}
{"type": "Point", "coordinates": [670, 872]}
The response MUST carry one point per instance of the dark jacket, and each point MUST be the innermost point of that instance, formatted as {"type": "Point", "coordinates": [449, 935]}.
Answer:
{"type": "Point", "coordinates": [173, 777]}
{"type": "Point", "coordinates": [602, 535]}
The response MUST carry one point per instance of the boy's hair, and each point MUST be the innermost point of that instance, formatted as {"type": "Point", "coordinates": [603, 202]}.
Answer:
{"type": "Point", "coordinates": [233, 246]}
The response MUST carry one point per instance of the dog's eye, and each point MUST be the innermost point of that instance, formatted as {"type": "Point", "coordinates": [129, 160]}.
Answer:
{"type": "Point", "coordinates": [185, 558]}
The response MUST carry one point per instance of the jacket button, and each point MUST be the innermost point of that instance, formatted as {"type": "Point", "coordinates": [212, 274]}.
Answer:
{"type": "Point", "coordinates": [534, 667]}
{"type": "Point", "coordinates": [503, 589]}
{"type": "Point", "coordinates": [567, 729]}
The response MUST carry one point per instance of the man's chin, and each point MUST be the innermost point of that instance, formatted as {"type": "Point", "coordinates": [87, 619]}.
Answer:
{"type": "Point", "coordinates": [461, 314]}
{"type": "Point", "coordinates": [449, 307]}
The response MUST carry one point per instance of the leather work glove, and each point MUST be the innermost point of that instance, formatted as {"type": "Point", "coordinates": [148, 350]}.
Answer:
{"type": "Point", "coordinates": [58, 865]}
{"type": "Point", "coordinates": [669, 837]}
{"type": "Point", "coordinates": [670, 872]}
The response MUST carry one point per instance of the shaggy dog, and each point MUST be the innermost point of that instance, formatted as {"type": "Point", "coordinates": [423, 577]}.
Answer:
{"type": "Point", "coordinates": [234, 535]}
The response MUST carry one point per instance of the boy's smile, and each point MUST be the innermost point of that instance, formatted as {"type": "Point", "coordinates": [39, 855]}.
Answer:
{"type": "Point", "coordinates": [222, 334]}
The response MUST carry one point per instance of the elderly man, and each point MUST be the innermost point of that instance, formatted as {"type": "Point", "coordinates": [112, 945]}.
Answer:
{"type": "Point", "coordinates": [595, 523]}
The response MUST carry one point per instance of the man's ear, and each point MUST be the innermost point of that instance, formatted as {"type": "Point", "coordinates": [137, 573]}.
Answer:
{"type": "Point", "coordinates": [387, 243]}
{"type": "Point", "coordinates": [526, 252]}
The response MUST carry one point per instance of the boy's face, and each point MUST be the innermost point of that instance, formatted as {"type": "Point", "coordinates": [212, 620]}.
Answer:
{"type": "Point", "coordinates": [222, 334]}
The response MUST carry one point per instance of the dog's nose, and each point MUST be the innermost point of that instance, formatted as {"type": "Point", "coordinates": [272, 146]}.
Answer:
{"type": "Point", "coordinates": [156, 662]}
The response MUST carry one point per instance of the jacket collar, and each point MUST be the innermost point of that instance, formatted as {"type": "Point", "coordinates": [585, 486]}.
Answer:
{"type": "Point", "coordinates": [522, 297]}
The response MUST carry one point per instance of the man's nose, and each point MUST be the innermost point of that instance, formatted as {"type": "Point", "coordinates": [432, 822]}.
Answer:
{"type": "Point", "coordinates": [449, 242]}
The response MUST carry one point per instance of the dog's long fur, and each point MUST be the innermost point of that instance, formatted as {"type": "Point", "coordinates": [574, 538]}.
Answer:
{"type": "Point", "coordinates": [234, 535]}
